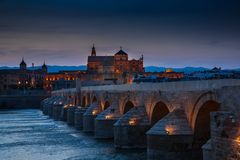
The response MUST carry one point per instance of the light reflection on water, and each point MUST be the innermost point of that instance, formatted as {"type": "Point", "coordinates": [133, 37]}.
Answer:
{"type": "Point", "coordinates": [29, 135]}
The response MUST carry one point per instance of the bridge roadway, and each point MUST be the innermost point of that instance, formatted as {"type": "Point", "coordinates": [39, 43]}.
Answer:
{"type": "Point", "coordinates": [168, 118]}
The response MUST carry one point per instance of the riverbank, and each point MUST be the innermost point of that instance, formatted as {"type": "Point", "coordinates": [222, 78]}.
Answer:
{"type": "Point", "coordinates": [21, 101]}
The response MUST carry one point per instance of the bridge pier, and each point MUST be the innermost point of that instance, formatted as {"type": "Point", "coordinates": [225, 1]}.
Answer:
{"type": "Point", "coordinates": [43, 102]}
{"type": "Point", "coordinates": [51, 106]}
{"type": "Point", "coordinates": [70, 115]}
{"type": "Point", "coordinates": [45, 106]}
{"type": "Point", "coordinates": [89, 117]}
{"type": "Point", "coordinates": [130, 129]}
{"type": "Point", "coordinates": [207, 150]}
{"type": "Point", "coordinates": [104, 122]}
{"type": "Point", "coordinates": [170, 138]}
{"type": "Point", "coordinates": [225, 137]}
{"type": "Point", "coordinates": [78, 117]}
{"type": "Point", "coordinates": [64, 112]}
{"type": "Point", "coordinates": [48, 104]}
{"type": "Point", "coordinates": [57, 108]}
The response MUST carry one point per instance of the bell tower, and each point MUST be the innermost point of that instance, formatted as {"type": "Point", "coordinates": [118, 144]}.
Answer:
{"type": "Point", "coordinates": [44, 67]}
{"type": "Point", "coordinates": [93, 51]}
{"type": "Point", "coordinates": [23, 65]}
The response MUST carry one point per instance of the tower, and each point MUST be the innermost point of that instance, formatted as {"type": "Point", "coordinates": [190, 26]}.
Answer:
{"type": "Point", "coordinates": [23, 73]}
{"type": "Point", "coordinates": [44, 68]}
{"type": "Point", "coordinates": [93, 51]}
{"type": "Point", "coordinates": [141, 58]}
{"type": "Point", "coordinates": [121, 63]}
{"type": "Point", "coordinates": [23, 65]}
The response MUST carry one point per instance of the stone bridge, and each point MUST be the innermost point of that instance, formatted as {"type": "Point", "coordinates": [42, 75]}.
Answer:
{"type": "Point", "coordinates": [171, 119]}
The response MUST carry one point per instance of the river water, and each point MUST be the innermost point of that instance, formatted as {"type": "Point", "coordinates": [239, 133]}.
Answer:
{"type": "Point", "coordinates": [29, 135]}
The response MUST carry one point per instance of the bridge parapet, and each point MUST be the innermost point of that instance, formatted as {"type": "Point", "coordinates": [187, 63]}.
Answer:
{"type": "Point", "coordinates": [167, 86]}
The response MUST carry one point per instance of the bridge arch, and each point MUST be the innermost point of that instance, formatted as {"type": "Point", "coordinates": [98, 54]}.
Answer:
{"type": "Point", "coordinates": [75, 100]}
{"type": "Point", "coordinates": [202, 123]}
{"type": "Point", "coordinates": [84, 101]}
{"type": "Point", "coordinates": [88, 99]}
{"type": "Point", "coordinates": [106, 105]}
{"type": "Point", "coordinates": [202, 99]}
{"type": "Point", "coordinates": [94, 99]}
{"type": "Point", "coordinates": [159, 111]}
{"type": "Point", "coordinates": [127, 106]}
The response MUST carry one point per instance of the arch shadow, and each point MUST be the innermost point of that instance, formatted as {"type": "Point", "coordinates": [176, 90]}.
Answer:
{"type": "Point", "coordinates": [106, 105]}
{"type": "Point", "coordinates": [159, 111]}
{"type": "Point", "coordinates": [84, 101]}
{"type": "Point", "coordinates": [128, 105]}
{"type": "Point", "coordinates": [94, 99]}
{"type": "Point", "coordinates": [202, 130]}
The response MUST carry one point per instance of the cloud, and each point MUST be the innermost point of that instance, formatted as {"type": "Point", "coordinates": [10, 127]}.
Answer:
{"type": "Point", "coordinates": [171, 32]}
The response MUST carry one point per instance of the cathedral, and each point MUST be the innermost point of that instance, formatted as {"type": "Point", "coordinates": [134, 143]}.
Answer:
{"type": "Point", "coordinates": [117, 67]}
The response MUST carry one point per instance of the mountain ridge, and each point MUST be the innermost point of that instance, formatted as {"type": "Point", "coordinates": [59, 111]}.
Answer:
{"type": "Point", "coordinates": [57, 68]}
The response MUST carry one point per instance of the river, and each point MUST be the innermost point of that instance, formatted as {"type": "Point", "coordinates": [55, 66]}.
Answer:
{"type": "Point", "coordinates": [29, 135]}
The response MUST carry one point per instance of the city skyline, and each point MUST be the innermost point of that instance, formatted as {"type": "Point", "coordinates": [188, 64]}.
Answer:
{"type": "Point", "coordinates": [168, 34]}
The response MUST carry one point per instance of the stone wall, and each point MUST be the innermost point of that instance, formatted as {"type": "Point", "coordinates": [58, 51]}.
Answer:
{"type": "Point", "coordinates": [29, 101]}
{"type": "Point", "coordinates": [225, 137]}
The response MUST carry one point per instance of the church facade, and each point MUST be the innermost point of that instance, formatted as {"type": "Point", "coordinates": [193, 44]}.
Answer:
{"type": "Point", "coordinates": [22, 78]}
{"type": "Point", "coordinates": [117, 67]}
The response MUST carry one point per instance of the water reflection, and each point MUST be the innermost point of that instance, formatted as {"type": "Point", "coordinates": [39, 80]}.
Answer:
{"type": "Point", "coordinates": [28, 135]}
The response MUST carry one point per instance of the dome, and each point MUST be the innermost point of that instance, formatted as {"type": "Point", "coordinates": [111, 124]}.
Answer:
{"type": "Point", "coordinates": [121, 52]}
{"type": "Point", "coordinates": [169, 70]}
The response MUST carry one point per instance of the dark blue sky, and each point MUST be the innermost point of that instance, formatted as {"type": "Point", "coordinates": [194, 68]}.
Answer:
{"type": "Point", "coordinates": [171, 33]}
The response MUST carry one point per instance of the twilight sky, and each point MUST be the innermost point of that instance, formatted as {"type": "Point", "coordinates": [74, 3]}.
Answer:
{"type": "Point", "coordinates": [170, 33]}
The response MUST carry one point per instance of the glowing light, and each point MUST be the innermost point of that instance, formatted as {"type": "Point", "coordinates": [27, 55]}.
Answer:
{"type": "Point", "coordinates": [169, 129]}
{"type": "Point", "coordinates": [60, 103]}
{"type": "Point", "coordinates": [110, 116]}
{"type": "Point", "coordinates": [133, 121]}
{"type": "Point", "coordinates": [169, 70]}
{"type": "Point", "coordinates": [94, 112]}
{"type": "Point", "coordinates": [238, 139]}
{"type": "Point", "coordinates": [80, 107]}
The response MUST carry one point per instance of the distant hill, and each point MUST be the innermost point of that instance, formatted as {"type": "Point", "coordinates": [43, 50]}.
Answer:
{"type": "Point", "coordinates": [6, 67]}
{"type": "Point", "coordinates": [66, 68]}
{"type": "Point", "coordinates": [56, 68]}
{"type": "Point", "coordinates": [185, 69]}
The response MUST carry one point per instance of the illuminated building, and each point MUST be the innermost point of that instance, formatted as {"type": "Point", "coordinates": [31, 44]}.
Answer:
{"type": "Point", "coordinates": [117, 67]}
{"type": "Point", "coordinates": [22, 78]}
{"type": "Point", "coordinates": [62, 79]}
